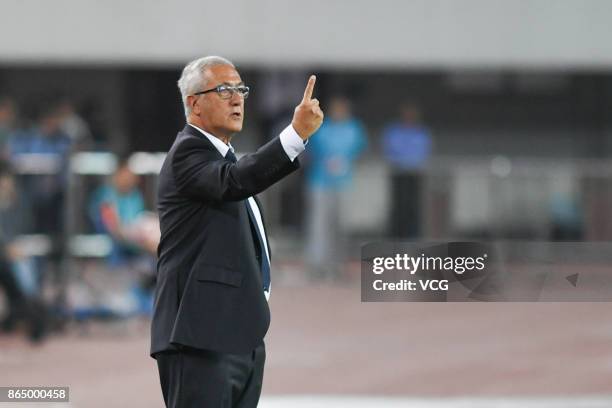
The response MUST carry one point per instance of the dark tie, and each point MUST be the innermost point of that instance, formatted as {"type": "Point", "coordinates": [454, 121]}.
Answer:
{"type": "Point", "coordinates": [264, 263]}
{"type": "Point", "coordinates": [231, 156]}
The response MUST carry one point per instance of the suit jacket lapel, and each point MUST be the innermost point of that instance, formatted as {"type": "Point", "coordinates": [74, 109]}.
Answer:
{"type": "Point", "coordinates": [190, 130]}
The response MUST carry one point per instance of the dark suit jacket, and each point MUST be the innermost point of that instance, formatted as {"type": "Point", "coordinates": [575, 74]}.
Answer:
{"type": "Point", "coordinates": [209, 288]}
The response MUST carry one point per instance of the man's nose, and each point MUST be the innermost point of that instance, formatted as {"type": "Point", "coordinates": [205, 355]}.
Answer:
{"type": "Point", "coordinates": [236, 99]}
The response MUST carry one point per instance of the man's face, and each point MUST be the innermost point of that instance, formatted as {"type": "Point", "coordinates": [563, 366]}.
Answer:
{"type": "Point", "coordinates": [339, 109]}
{"type": "Point", "coordinates": [221, 117]}
{"type": "Point", "coordinates": [7, 189]}
{"type": "Point", "coordinates": [409, 114]}
{"type": "Point", "coordinates": [125, 180]}
{"type": "Point", "coordinates": [7, 113]}
{"type": "Point", "coordinates": [50, 124]}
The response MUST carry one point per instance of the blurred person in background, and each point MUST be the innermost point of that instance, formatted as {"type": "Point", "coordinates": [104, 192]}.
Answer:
{"type": "Point", "coordinates": [48, 181]}
{"type": "Point", "coordinates": [567, 217]}
{"type": "Point", "coordinates": [117, 209]}
{"type": "Point", "coordinates": [7, 118]}
{"type": "Point", "coordinates": [40, 154]}
{"type": "Point", "coordinates": [332, 152]}
{"type": "Point", "coordinates": [18, 272]}
{"type": "Point", "coordinates": [407, 147]}
{"type": "Point", "coordinates": [74, 126]}
{"type": "Point", "coordinates": [213, 284]}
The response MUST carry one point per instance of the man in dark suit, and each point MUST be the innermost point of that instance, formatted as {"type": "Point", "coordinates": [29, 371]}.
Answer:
{"type": "Point", "coordinates": [213, 273]}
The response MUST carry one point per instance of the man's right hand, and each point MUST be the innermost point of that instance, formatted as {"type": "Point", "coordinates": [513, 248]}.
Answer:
{"type": "Point", "coordinates": [308, 116]}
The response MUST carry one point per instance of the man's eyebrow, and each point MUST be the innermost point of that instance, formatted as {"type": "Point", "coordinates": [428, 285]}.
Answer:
{"type": "Point", "coordinates": [231, 84]}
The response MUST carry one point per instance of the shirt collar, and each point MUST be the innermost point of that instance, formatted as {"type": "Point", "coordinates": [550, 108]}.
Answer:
{"type": "Point", "coordinates": [219, 145]}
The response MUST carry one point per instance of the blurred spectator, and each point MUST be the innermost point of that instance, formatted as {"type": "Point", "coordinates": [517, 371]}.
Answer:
{"type": "Point", "coordinates": [407, 146]}
{"type": "Point", "coordinates": [47, 184]}
{"type": "Point", "coordinates": [118, 209]}
{"type": "Point", "coordinates": [566, 217]}
{"type": "Point", "coordinates": [7, 117]}
{"type": "Point", "coordinates": [18, 274]}
{"type": "Point", "coordinates": [74, 126]}
{"type": "Point", "coordinates": [331, 154]}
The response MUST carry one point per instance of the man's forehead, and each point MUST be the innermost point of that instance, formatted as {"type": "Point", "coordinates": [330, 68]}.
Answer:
{"type": "Point", "coordinates": [223, 74]}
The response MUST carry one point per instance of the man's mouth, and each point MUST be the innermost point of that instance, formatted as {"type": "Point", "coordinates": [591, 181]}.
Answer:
{"type": "Point", "coordinates": [236, 115]}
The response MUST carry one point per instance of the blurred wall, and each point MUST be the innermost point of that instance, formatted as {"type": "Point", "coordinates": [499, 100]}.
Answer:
{"type": "Point", "coordinates": [417, 33]}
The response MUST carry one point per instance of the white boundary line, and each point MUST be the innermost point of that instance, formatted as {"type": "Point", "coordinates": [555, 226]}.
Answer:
{"type": "Point", "coordinates": [305, 401]}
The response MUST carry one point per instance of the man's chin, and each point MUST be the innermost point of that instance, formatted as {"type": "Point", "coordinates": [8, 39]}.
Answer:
{"type": "Point", "coordinates": [235, 127]}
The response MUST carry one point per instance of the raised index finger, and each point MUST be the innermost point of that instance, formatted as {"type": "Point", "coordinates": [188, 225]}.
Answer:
{"type": "Point", "coordinates": [309, 88]}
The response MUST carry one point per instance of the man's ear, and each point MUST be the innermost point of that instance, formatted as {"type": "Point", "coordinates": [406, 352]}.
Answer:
{"type": "Point", "coordinates": [193, 102]}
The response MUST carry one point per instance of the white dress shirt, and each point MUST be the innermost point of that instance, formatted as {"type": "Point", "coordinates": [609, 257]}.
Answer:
{"type": "Point", "coordinates": [293, 146]}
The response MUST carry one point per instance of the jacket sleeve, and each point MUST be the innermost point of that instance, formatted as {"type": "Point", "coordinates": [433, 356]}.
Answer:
{"type": "Point", "coordinates": [200, 173]}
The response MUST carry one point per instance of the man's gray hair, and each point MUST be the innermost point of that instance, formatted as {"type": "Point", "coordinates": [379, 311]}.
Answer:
{"type": "Point", "coordinates": [193, 76]}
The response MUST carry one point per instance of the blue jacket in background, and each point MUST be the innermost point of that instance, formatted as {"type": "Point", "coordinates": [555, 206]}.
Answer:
{"type": "Point", "coordinates": [332, 151]}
